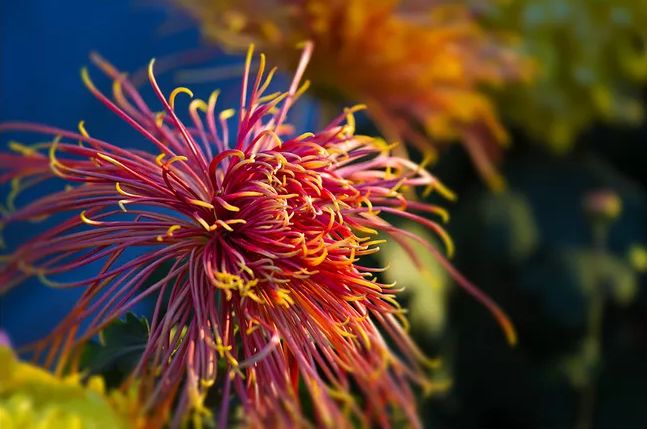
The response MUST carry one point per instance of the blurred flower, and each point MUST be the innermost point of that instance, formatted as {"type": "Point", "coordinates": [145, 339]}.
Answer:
{"type": "Point", "coordinates": [637, 256]}
{"type": "Point", "coordinates": [263, 231]}
{"type": "Point", "coordinates": [419, 67]}
{"type": "Point", "coordinates": [4, 339]}
{"type": "Point", "coordinates": [592, 58]}
{"type": "Point", "coordinates": [31, 397]}
{"type": "Point", "coordinates": [602, 204]}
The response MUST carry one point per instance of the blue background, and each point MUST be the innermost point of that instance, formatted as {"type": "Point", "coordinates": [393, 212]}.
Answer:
{"type": "Point", "coordinates": [43, 45]}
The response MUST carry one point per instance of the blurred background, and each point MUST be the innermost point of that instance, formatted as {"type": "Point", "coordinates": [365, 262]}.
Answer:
{"type": "Point", "coordinates": [562, 248]}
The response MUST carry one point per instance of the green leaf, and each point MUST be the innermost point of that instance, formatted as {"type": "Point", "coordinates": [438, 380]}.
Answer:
{"type": "Point", "coordinates": [425, 288]}
{"type": "Point", "coordinates": [508, 226]}
{"type": "Point", "coordinates": [118, 350]}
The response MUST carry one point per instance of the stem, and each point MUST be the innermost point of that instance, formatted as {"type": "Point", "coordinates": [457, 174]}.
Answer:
{"type": "Point", "coordinates": [593, 339]}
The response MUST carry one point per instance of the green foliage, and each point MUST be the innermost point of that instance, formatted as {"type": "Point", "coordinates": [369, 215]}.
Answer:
{"type": "Point", "coordinates": [509, 228]}
{"type": "Point", "coordinates": [118, 350]}
{"type": "Point", "coordinates": [565, 282]}
{"type": "Point", "coordinates": [425, 287]}
{"type": "Point", "coordinates": [501, 225]}
{"type": "Point", "coordinates": [592, 61]}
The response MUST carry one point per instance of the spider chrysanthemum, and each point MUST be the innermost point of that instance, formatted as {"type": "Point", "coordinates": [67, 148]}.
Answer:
{"type": "Point", "coordinates": [262, 231]}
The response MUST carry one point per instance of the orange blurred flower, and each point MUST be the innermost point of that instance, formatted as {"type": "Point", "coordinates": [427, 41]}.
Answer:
{"type": "Point", "coordinates": [419, 67]}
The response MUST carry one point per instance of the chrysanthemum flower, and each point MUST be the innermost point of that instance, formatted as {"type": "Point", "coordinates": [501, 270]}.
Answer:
{"type": "Point", "coordinates": [262, 231]}
{"type": "Point", "coordinates": [419, 67]}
